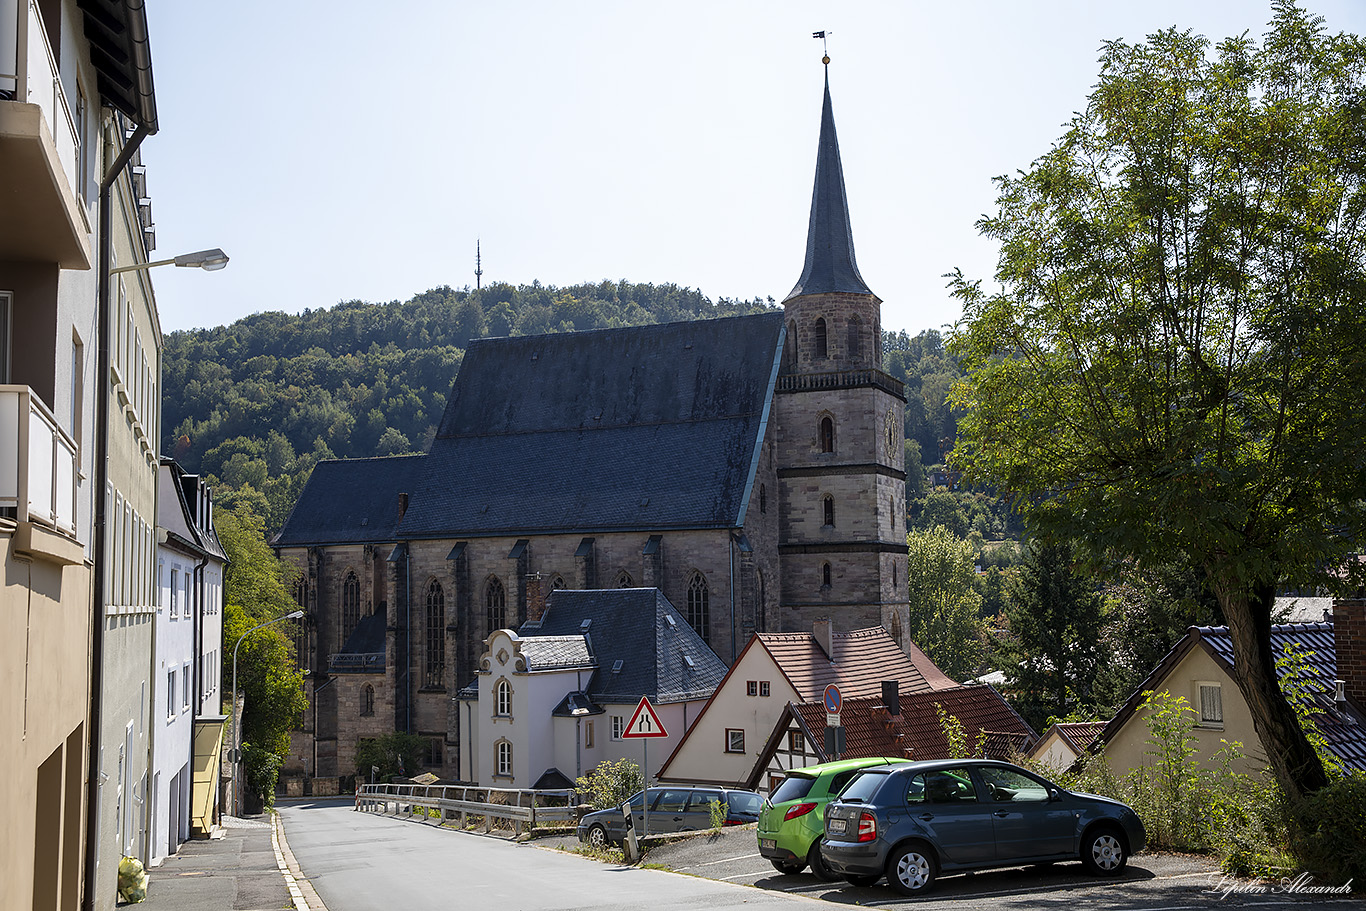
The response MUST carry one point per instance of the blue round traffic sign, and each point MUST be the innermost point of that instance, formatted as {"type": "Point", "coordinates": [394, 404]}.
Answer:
{"type": "Point", "coordinates": [833, 701]}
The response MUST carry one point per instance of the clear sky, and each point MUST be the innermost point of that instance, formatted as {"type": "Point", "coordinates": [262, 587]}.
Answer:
{"type": "Point", "coordinates": [346, 150]}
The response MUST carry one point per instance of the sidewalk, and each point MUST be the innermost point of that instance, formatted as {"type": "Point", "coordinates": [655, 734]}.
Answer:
{"type": "Point", "coordinates": [244, 867]}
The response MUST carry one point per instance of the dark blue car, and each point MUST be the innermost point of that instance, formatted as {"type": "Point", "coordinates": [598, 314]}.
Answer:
{"type": "Point", "coordinates": [912, 821]}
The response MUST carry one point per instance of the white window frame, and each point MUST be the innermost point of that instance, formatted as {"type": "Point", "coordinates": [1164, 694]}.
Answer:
{"type": "Point", "coordinates": [618, 726]}
{"type": "Point", "coordinates": [1217, 690]}
{"type": "Point", "coordinates": [735, 740]}
{"type": "Point", "coordinates": [502, 698]}
{"type": "Point", "coordinates": [170, 692]}
{"type": "Point", "coordinates": [502, 752]}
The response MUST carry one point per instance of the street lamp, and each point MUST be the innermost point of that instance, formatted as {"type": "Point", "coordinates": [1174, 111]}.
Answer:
{"type": "Point", "coordinates": [208, 260]}
{"type": "Point", "coordinates": [236, 731]}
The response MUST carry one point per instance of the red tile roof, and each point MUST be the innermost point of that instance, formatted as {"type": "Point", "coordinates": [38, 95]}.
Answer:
{"type": "Point", "coordinates": [870, 731]}
{"type": "Point", "coordinates": [862, 660]}
{"type": "Point", "coordinates": [1079, 734]}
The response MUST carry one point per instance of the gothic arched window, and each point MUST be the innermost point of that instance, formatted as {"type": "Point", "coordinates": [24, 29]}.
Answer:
{"type": "Point", "coordinates": [827, 434]}
{"type": "Point", "coordinates": [818, 337]}
{"type": "Point", "coordinates": [699, 611]}
{"type": "Point", "coordinates": [367, 700]}
{"type": "Point", "coordinates": [855, 338]}
{"type": "Point", "coordinates": [350, 605]}
{"type": "Point", "coordinates": [763, 498]}
{"type": "Point", "coordinates": [556, 582]}
{"type": "Point", "coordinates": [495, 604]}
{"type": "Point", "coordinates": [434, 659]}
{"type": "Point", "coordinates": [828, 510]}
{"type": "Point", "coordinates": [624, 580]}
{"type": "Point", "coordinates": [825, 575]}
{"type": "Point", "coordinates": [790, 347]}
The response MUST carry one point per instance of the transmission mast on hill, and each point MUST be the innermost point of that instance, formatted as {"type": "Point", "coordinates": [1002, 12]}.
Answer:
{"type": "Point", "coordinates": [478, 268]}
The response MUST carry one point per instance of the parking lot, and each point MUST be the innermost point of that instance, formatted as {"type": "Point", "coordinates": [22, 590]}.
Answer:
{"type": "Point", "coordinates": [1151, 881]}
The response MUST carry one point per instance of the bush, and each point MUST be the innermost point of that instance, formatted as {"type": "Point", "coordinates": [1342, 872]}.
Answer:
{"type": "Point", "coordinates": [1330, 831]}
{"type": "Point", "coordinates": [611, 783]}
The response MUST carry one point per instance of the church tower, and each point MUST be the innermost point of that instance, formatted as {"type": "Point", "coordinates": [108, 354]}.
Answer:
{"type": "Point", "coordinates": [841, 449]}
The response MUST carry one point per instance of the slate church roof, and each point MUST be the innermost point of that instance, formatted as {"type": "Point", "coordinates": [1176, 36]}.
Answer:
{"type": "Point", "coordinates": [640, 642]}
{"type": "Point", "coordinates": [350, 501]}
{"type": "Point", "coordinates": [653, 427]}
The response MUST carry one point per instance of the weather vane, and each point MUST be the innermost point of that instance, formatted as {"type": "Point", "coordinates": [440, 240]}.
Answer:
{"type": "Point", "coordinates": [825, 48]}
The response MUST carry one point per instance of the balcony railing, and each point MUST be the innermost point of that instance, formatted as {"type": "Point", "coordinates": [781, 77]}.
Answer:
{"type": "Point", "coordinates": [841, 379]}
{"type": "Point", "coordinates": [28, 74]}
{"type": "Point", "coordinates": [37, 463]}
{"type": "Point", "coordinates": [357, 663]}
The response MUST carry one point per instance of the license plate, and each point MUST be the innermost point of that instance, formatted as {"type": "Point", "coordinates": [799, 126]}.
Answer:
{"type": "Point", "coordinates": [769, 843]}
{"type": "Point", "coordinates": [837, 825]}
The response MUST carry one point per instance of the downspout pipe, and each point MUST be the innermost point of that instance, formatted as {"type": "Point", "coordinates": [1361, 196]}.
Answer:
{"type": "Point", "coordinates": [101, 561]}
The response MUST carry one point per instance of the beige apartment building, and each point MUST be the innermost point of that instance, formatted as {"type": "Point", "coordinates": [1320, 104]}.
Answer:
{"type": "Point", "coordinates": [75, 94]}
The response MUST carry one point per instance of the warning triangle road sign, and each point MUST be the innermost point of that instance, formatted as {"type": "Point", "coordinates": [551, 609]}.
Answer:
{"type": "Point", "coordinates": [645, 723]}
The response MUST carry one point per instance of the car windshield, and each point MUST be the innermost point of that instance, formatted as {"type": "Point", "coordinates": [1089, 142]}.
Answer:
{"type": "Point", "coordinates": [744, 802]}
{"type": "Point", "coordinates": [793, 787]}
{"type": "Point", "coordinates": [864, 786]}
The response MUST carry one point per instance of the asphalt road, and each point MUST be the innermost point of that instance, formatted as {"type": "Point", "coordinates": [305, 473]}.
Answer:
{"type": "Point", "coordinates": [362, 862]}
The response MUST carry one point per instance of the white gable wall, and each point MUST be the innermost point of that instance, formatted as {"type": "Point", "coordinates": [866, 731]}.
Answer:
{"type": "Point", "coordinates": [702, 758]}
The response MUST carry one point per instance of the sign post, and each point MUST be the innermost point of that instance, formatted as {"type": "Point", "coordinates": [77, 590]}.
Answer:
{"type": "Point", "coordinates": [834, 732]}
{"type": "Point", "coordinates": [645, 724]}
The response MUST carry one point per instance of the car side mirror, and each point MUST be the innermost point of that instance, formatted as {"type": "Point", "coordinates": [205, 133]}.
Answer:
{"type": "Point", "coordinates": [1054, 795]}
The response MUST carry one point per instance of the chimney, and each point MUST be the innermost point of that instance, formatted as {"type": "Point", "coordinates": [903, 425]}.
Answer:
{"type": "Point", "coordinates": [891, 697]}
{"type": "Point", "coordinates": [825, 636]}
{"type": "Point", "coordinates": [1349, 644]}
{"type": "Point", "coordinates": [535, 601]}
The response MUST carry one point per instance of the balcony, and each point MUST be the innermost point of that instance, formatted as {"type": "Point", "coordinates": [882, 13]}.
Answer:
{"type": "Point", "coordinates": [38, 478]}
{"type": "Point", "coordinates": [357, 663]}
{"type": "Point", "coordinates": [40, 147]}
{"type": "Point", "coordinates": [842, 379]}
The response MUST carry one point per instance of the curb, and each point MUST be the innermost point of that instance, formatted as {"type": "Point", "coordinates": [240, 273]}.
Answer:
{"type": "Point", "coordinates": [301, 891]}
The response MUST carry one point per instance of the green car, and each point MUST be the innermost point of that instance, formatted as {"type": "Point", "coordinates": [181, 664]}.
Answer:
{"type": "Point", "coordinates": [792, 820]}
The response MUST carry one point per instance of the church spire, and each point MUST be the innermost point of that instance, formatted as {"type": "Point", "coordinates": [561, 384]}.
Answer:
{"type": "Point", "coordinates": [830, 264]}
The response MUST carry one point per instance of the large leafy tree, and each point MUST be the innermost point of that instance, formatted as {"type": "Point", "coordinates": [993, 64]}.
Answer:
{"type": "Point", "coordinates": [944, 604]}
{"type": "Point", "coordinates": [1172, 368]}
{"type": "Point", "coordinates": [256, 590]}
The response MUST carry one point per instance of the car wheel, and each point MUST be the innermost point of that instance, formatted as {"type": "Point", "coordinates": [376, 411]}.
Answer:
{"type": "Point", "coordinates": [1103, 852]}
{"type": "Point", "coordinates": [911, 870]}
{"type": "Point", "coordinates": [597, 837]}
{"type": "Point", "coordinates": [818, 865]}
{"type": "Point", "coordinates": [860, 879]}
{"type": "Point", "coordinates": [783, 866]}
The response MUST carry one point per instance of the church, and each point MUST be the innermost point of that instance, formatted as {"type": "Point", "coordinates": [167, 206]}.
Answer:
{"type": "Point", "coordinates": [750, 468]}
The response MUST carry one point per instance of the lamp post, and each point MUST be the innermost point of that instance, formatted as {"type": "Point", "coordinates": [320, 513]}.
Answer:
{"type": "Point", "coordinates": [236, 730]}
{"type": "Point", "coordinates": [208, 260]}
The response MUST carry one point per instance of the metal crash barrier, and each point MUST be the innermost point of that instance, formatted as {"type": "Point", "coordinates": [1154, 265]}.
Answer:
{"type": "Point", "coordinates": [450, 803]}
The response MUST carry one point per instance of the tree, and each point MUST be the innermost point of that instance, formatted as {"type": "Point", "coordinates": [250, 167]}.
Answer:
{"type": "Point", "coordinates": [396, 755]}
{"type": "Point", "coordinates": [944, 604]}
{"type": "Point", "coordinates": [256, 589]}
{"type": "Point", "coordinates": [1171, 369]}
{"type": "Point", "coordinates": [1053, 654]}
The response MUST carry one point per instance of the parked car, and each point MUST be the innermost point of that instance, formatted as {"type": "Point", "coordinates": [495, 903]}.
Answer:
{"type": "Point", "coordinates": [913, 821]}
{"type": "Point", "coordinates": [792, 820]}
{"type": "Point", "coordinates": [672, 809]}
